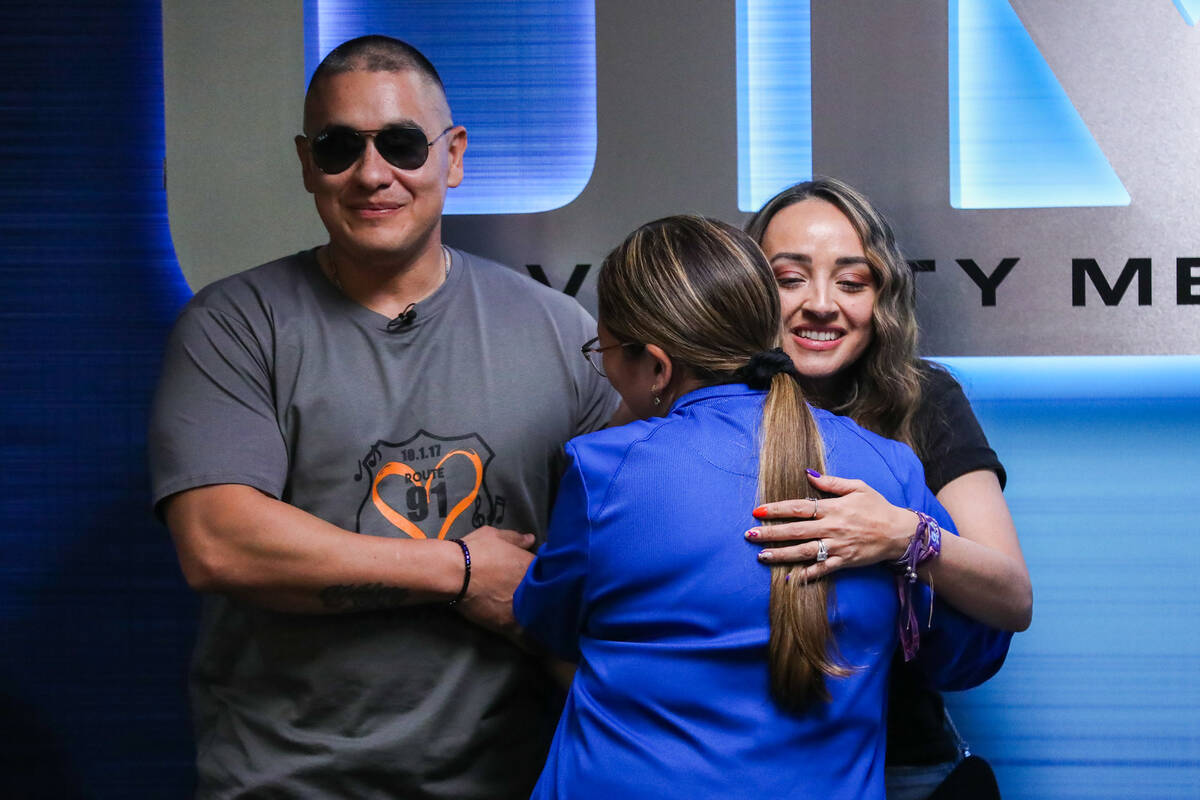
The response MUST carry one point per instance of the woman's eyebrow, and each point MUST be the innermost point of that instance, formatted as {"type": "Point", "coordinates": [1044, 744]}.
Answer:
{"type": "Point", "coordinates": [843, 261]}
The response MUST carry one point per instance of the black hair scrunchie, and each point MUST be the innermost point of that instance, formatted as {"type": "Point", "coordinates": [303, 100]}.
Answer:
{"type": "Point", "coordinates": [764, 366]}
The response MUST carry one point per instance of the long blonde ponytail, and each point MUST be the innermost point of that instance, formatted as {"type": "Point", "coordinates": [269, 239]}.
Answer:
{"type": "Point", "coordinates": [801, 650]}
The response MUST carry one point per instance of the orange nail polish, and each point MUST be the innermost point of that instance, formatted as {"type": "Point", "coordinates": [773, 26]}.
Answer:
{"type": "Point", "coordinates": [760, 512]}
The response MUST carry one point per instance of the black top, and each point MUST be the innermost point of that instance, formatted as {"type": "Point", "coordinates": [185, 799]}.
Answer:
{"type": "Point", "coordinates": [952, 444]}
{"type": "Point", "coordinates": [950, 439]}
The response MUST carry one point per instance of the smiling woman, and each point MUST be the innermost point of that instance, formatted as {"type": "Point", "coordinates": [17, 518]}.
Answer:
{"type": "Point", "coordinates": [827, 289]}
{"type": "Point", "coordinates": [849, 312]}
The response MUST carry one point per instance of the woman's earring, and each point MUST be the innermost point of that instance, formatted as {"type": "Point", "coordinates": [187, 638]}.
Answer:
{"type": "Point", "coordinates": [657, 401]}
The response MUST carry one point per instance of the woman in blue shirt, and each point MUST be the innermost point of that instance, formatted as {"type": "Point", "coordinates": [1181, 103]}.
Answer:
{"type": "Point", "coordinates": [701, 672]}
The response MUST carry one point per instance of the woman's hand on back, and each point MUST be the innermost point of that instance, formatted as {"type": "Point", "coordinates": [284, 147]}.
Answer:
{"type": "Point", "coordinates": [858, 527]}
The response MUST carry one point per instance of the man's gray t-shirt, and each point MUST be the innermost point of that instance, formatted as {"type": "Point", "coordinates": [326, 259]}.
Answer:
{"type": "Point", "coordinates": [274, 379]}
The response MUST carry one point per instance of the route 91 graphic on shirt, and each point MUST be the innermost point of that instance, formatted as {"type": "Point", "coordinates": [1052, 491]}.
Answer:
{"type": "Point", "coordinates": [427, 487]}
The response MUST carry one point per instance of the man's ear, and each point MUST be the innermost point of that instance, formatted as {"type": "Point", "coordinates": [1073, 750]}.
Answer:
{"type": "Point", "coordinates": [456, 147]}
{"type": "Point", "coordinates": [662, 367]}
{"type": "Point", "coordinates": [306, 165]}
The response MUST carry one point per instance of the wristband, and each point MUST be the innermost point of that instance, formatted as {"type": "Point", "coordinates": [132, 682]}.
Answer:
{"type": "Point", "coordinates": [925, 545]}
{"type": "Point", "coordinates": [466, 573]}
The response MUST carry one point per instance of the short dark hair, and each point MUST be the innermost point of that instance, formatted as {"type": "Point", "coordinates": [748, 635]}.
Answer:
{"type": "Point", "coordinates": [374, 53]}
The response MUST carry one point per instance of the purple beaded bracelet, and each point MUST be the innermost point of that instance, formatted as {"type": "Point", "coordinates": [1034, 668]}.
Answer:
{"type": "Point", "coordinates": [925, 545]}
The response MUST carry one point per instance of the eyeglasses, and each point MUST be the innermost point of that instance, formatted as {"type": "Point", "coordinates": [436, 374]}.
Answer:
{"type": "Point", "coordinates": [594, 356]}
{"type": "Point", "coordinates": [336, 148]}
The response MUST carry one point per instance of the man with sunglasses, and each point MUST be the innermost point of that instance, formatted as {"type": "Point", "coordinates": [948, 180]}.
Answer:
{"type": "Point", "coordinates": [339, 441]}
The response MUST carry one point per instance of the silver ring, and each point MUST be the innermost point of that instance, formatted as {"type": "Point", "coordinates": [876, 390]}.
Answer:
{"type": "Point", "coordinates": [822, 551]}
{"type": "Point", "coordinates": [815, 506]}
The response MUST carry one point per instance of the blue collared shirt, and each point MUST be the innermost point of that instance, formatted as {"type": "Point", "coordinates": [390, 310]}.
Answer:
{"type": "Point", "coordinates": [647, 581]}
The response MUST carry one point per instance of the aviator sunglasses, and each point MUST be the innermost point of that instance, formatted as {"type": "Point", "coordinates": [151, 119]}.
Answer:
{"type": "Point", "coordinates": [338, 147]}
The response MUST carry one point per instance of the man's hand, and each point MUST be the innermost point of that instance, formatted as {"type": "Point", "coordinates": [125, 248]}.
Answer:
{"type": "Point", "coordinates": [499, 559]}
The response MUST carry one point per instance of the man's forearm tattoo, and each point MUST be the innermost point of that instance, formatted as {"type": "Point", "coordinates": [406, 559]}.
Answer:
{"type": "Point", "coordinates": [362, 596]}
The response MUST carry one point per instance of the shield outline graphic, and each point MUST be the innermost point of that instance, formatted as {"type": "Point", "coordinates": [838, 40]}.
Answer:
{"type": "Point", "coordinates": [367, 469]}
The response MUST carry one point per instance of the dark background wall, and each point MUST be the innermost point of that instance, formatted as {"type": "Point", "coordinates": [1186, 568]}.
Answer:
{"type": "Point", "coordinates": [95, 623]}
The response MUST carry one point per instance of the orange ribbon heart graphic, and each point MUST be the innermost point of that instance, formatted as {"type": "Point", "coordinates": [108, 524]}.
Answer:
{"type": "Point", "coordinates": [401, 521]}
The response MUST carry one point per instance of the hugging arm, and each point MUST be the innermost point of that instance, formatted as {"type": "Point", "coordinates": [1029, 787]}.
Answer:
{"type": "Point", "coordinates": [956, 651]}
{"type": "Point", "coordinates": [981, 571]}
{"type": "Point", "coordinates": [550, 604]}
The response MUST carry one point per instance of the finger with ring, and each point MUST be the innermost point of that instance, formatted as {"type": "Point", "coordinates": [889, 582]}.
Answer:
{"type": "Point", "coordinates": [822, 550]}
{"type": "Point", "coordinates": [815, 506]}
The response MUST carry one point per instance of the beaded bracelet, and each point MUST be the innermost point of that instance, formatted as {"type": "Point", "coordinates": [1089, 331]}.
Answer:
{"type": "Point", "coordinates": [925, 545]}
{"type": "Point", "coordinates": [466, 574]}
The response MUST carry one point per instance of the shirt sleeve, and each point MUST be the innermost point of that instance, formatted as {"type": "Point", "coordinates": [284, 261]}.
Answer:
{"type": "Point", "coordinates": [956, 652]}
{"type": "Point", "coordinates": [213, 419]}
{"type": "Point", "coordinates": [549, 602]}
{"type": "Point", "coordinates": [952, 441]}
